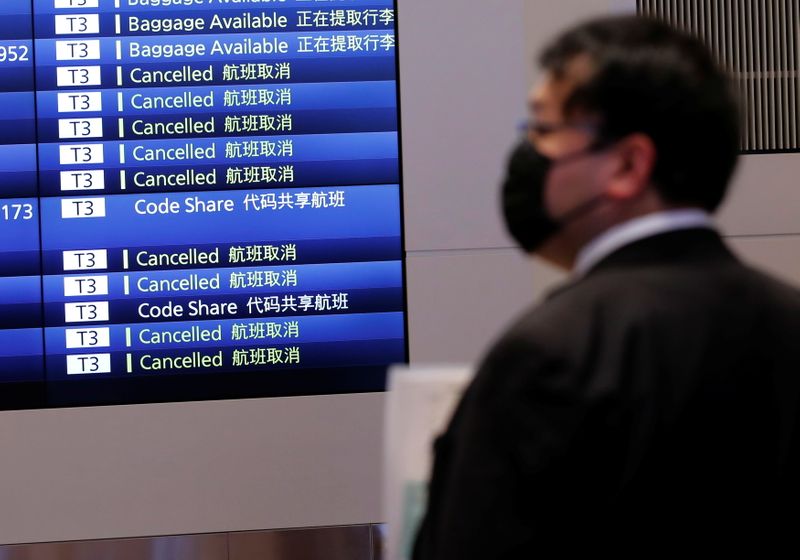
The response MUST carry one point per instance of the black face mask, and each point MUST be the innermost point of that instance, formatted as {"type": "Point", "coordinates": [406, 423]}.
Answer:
{"type": "Point", "coordinates": [524, 210]}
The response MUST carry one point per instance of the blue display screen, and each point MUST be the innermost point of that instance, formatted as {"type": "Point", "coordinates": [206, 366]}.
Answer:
{"type": "Point", "coordinates": [200, 199]}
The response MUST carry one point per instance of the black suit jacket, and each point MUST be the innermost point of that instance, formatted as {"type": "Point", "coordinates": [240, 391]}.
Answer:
{"type": "Point", "coordinates": [652, 403]}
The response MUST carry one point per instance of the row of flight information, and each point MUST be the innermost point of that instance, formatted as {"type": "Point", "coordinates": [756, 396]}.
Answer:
{"type": "Point", "coordinates": [198, 199]}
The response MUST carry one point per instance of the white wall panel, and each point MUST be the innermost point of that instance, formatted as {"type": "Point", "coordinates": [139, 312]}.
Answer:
{"type": "Point", "coordinates": [764, 197]}
{"type": "Point", "coordinates": [178, 468]}
{"type": "Point", "coordinates": [778, 255]}
{"type": "Point", "coordinates": [464, 299]}
{"type": "Point", "coordinates": [463, 80]}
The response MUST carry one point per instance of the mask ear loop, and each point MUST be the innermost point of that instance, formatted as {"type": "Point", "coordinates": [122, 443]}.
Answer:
{"type": "Point", "coordinates": [580, 210]}
{"type": "Point", "coordinates": [598, 145]}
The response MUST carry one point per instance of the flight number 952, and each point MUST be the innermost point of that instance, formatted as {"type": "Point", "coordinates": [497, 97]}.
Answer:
{"type": "Point", "coordinates": [14, 53]}
{"type": "Point", "coordinates": [16, 211]}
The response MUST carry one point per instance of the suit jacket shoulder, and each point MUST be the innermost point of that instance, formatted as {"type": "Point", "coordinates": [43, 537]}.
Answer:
{"type": "Point", "coordinates": [669, 375]}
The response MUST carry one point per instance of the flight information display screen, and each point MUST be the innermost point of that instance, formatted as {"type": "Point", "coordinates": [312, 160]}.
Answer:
{"type": "Point", "coordinates": [200, 199]}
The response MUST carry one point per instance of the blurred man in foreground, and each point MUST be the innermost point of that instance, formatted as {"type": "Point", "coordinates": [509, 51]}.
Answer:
{"type": "Point", "coordinates": [651, 402]}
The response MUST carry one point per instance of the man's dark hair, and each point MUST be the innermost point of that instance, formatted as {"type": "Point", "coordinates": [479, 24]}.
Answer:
{"type": "Point", "coordinates": [649, 78]}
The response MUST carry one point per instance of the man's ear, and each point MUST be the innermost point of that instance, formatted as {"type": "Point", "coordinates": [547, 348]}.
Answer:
{"type": "Point", "coordinates": [636, 157]}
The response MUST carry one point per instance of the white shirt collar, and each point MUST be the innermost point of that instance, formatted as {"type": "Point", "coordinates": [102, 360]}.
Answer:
{"type": "Point", "coordinates": [638, 228]}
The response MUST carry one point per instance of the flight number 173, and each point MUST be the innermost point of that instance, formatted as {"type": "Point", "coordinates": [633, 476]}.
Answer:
{"type": "Point", "coordinates": [16, 211]}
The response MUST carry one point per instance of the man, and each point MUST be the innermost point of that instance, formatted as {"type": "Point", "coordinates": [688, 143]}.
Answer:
{"type": "Point", "coordinates": [651, 402]}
